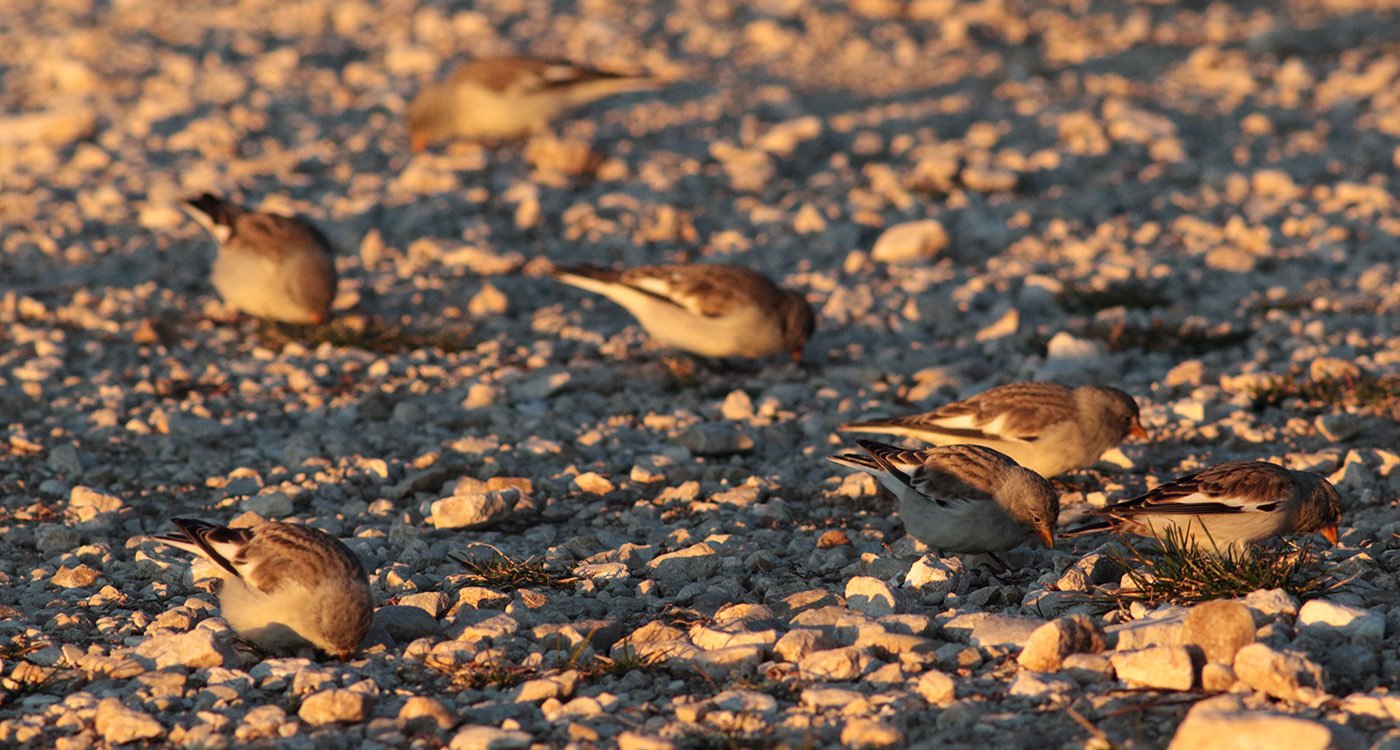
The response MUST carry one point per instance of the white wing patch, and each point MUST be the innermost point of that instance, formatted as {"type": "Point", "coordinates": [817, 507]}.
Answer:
{"type": "Point", "coordinates": [1201, 503]}
{"type": "Point", "coordinates": [666, 286]}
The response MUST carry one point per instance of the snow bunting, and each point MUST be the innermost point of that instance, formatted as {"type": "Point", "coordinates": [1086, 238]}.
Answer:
{"type": "Point", "coordinates": [508, 97]}
{"type": "Point", "coordinates": [284, 585]}
{"type": "Point", "coordinates": [710, 310]}
{"type": "Point", "coordinates": [1229, 506]}
{"type": "Point", "coordinates": [963, 499]}
{"type": "Point", "coordinates": [268, 266]}
{"type": "Point", "coordinates": [1045, 427]}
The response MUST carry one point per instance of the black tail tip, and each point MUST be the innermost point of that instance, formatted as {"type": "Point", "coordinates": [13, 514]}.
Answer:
{"type": "Point", "coordinates": [217, 209]}
{"type": "Point", "coordinates": [203, 201]}
{"type": "Point", "coordinates": [189, 526]}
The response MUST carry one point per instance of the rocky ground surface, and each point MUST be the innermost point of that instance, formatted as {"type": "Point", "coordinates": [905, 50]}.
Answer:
{"type": "Point", "coordinates": [1189, 201]}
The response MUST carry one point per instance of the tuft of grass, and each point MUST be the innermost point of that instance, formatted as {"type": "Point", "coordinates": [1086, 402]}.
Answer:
{"type": "Point", "coordinates": [1162, 337]}
{"type": "Point", "coordinates": [489, 672]}
{"type": "Point", "coordinates": [367, 333]}
{"type": "Point", "coordinates": [1180, 572]}
{"type": "Point", "coordinates": [504, 572]}
{"type": "Point", "coordinates": [628, 660]}
{"type": "Point", "coordinates": [1133, 294]}
{"type": "Point", "coordinates": [23, 678]}
{"type": "Point", "coordinates": [1377, 394]}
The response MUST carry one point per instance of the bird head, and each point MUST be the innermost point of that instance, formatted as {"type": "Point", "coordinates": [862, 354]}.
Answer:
{"type": "Point", "coordinates": [799, 322]}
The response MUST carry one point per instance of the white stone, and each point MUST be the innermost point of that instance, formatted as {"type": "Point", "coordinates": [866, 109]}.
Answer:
{"type": "Point", "coordinates": [1222, 723]}
{"type": "Point", "coordinates": [1324, 617]}
{"type": "Point", "coordinates": [1040, 686]}
{"type": "Point", "coordinates": [847, 663]}
{"type": "Point", "coordinates": [473, 509]}
{"type": "Point", "coordinates": [489, 738]}
{"type": "Point", "coordinates": [910, 241]}
{"type": "Point", "coordinates": [335, 705]}
{"type": "Point", "coordinates": [861, 732]}
{"type": "Point", "coordinates": [694, 563]}
{"type": "Point", "coordinates": [931, 573]}
{"type": "Point", "coordinates": [268, 505]}
{"type": "Point", "coordinates": [1169, 667]}
{"type": "Point", "coordinates": [84, 497]}
{"type": "Point", "coordinates": [119, 725]}
{"type": "Point", "coordinates": [1048, 646]}
{"type": "Point", "coordinates": [870, 595]}
{"type": "Point", "coordinates": [1282, 675]}
{"type": "Point", "coordinates": [936, 687]}
{"type": "Point", "coordinates": [990, 629]}
{"type": "Point", "coordinates": [201, 647]}
{"type": "Point", "coordinates": [1267, 605]}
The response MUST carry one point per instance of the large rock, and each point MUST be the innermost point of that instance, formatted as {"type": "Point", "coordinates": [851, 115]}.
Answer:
{"type": "Point", "coordinates": [799, 642]}
{"type": "Point", "coordinates": [655, 641]}
{"type": "Point", "coordinates": [936, 687]}
{"type": "Point", "coordinates": [473, 509]}
{"type": "Point", "coordinates": [1040, 686]}
{"type": "Point", "coordinates": [1326, 618]}
{"type": "Point", "coordinates": [489, 738]}
{"type": "Point", "coordinates": [711, 638]}
{"type": "Point", "coordinates": [846, 663]}
{"type": "Point", "coordinates": [495, 626]}
{"type": "Point", "coordinates": [330, 706]}
{"type": "Point", "coordinates": [638, 741]}
{"type": "Point", "coordinates": [694, 563]}
{"type": "Point", "coordinates": [1280, 674]}
{"type": "Point", "coordinates": [1267, 605]}
{"type": "Point", "coordinates": [870, 733]}
{"type": "Point", "coordinates": [1167, 667]}
{"type": "Point", "coordinates": [932, 574]}
{"type": "Point", "coordinates": [1220, 628]}
{"type": "Point", "coordinates": [421, 712]}
{"type": "Point", "coordinates": [1222, 723]}
{"type": "Point", "coordinates": [200, 647]}
{"type": "Point", "coordinates": [910, 241]}
{"type": "Point", "coordinates": [119, 725]}
{"type": "Point", "coordinates": [1052, 642]}
{"type": "Point", "coordinates": [870, 595]}
{"type": "Point", "coordinates": [405, 623]}
{"type": "Point", "coordinates": [988, 629]}
{"type": "Point", "coordinates": [1159, 629]}
{"type": "Point", "coordinates": [720, 663]}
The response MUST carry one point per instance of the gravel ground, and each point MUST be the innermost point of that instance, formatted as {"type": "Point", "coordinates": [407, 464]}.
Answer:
{"type": "Point", "coordinates": [1181, 200]}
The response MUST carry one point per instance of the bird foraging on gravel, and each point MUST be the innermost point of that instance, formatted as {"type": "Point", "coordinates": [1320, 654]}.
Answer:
{"type": "Point", "coordinates": [268, 266]}
{"type": "Point", "coordinates": [962, 499]}
{"type": "Point", "coordinates": [1045, 427]}
{"type": "Point", "coordinates": [710, 310]}
{"type": "Point", "coordinates": [1228, 506]}
{"type": "Point", "coordinates": [284, 585]}
{"type": "Point", "coordinates": [509, 97]}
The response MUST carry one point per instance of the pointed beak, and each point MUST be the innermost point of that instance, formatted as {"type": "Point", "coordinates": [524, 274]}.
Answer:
{"type": "Point", "coordinates": [796, 355]}
{"type": "Point", "coordinates": [418, 142]}
{"type": "Point", "coordinates": [1330, 532]}
{"type": "Point", "coordinates": [1047, 536]}
{"type": "Point", "coordinates": [1137, 431]}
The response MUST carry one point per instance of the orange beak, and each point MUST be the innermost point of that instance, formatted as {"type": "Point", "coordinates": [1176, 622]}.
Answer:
{"type": "Point", "coordinates": [1330, 532]}
{"type": "Point", "coordinates": [418, 142]}
{"type": "Point", "coordinates": [796, 355]}
{"type": "Point", "coordinates": [1137, 431]}
{"type": "Point", "coordinates": [1046, 536]}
